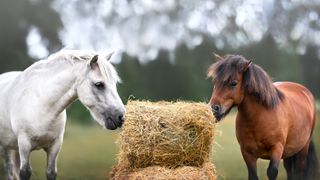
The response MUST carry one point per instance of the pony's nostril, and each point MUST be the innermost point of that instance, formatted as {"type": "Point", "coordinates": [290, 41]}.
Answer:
{"type": "Point", "coordinates": [216, 108]}
{"type": "Point", "coordinates": [120, 118]}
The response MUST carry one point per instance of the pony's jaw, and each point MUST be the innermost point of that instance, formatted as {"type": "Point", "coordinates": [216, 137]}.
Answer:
{"type": "Point", "coordinates": [224, 108]}
{"type": "Point", "coordinates": [220, 116]}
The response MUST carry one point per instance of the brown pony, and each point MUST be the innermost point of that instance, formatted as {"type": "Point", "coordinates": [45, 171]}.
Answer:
{"type": "Point", "coordinates": [274, 120]}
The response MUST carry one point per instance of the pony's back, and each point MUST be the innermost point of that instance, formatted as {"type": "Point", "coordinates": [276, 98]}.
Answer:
{"type": "Point", "coordinates": [5, 77]}
{"type": "Point", "coordinates": [5, 81]}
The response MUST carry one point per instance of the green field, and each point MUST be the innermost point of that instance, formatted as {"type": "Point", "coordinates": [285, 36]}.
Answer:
{"type": "Point", "coordinates": [89, 152]}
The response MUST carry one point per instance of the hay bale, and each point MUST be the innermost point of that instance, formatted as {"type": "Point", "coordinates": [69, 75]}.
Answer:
{"type": "Point", "coordinates": [206, 172]}
{"type": "Point", "coordinates": [166, 134]}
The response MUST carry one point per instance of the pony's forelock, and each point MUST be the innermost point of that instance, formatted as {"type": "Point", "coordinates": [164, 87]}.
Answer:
{"type": "Point", "coordinates": [226, 69]}
{"type": "Point", "coordinates": [108, 71]}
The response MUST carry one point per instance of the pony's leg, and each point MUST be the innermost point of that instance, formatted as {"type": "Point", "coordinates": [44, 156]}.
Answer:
{"type": "Point", "coordinates": [300, 166]}
{"type": "Point", "coordinates": [276, 154]}
{"type": "Point", "coordinates": [16, 163]}
{"type": "Point", "coordinates": [301, 162]}
{"type": "Point", "coordinates": [296, 165]}
{"type": "Point", "coordinates": [290, 165]}
{"type": "Point", "coordinates": [52, 155]}
{"type": "Point", "coordinates": [251, 163]}
{"type": "Point", "coordinates": [312, 170]}
{"type": "Point", "coordinates": [24, 154]}
{"type": "Point", "coordinates": [8, 165]}
{"type": "Point", "coordinates": [11, 164]}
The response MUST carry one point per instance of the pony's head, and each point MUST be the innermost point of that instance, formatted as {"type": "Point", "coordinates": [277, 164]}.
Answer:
{"type": "Point", "coordinates": [234, 78]}
{"type": "Point", "coordinates": [97, 91]}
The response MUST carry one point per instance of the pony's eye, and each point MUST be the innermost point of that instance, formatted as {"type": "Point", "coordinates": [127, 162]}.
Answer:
{"type": "Point", "coordinates": [233, 83]}
{"type": "Point", "coordinates": [99, 85]}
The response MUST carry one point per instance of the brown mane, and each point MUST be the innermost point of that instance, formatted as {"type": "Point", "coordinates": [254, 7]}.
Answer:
{"type": "Point", "coordinates": [256, 81]}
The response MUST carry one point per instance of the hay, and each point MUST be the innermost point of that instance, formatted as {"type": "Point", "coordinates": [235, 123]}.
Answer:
{"type": "Point", "coordinates": [206, 172]}
{"type": "Point", "coordinates": [166, 134]}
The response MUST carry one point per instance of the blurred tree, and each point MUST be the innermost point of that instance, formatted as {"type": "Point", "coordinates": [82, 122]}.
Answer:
{"type": "Point", "coordinates": [184, 75]}
{"type": "Point", "coordinates": [17, 17]}
{"type": "Point", "coordinates": [279, 63]}
{"type": "Point", "coordinates": [133, 79]}
{"type": "Point", "coordinates": [168, 78]}
{"type": "Point", "coordinates": [274, 33]}
{"type": "Point", "coordinates": [142, 28]}
{"type": "Point", "coordinates": [310, 66]}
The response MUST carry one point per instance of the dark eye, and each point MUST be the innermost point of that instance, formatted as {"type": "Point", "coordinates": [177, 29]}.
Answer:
{"type": "Point", "coordinates": [233, 83]}
{"type": "Point", "coordinates": [99, 85]}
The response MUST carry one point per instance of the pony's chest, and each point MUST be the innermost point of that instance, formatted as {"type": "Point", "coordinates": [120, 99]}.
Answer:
{"type": "Point", "coordinates": [259, 145]}
{"type": "Point", "coordinates": [43, 136]}
{"type": "Point", "coordinates": [39, 142]}
{"type": "Point", "coordinates": [263, 150]}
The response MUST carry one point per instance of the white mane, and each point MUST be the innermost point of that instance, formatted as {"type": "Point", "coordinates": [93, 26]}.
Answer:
{"type": "Point", "coordinates": [108, 71]}
{"type": "Point", "coordinates": [106, 68]}
{"type": "Point", "coordinates": [72, 55]}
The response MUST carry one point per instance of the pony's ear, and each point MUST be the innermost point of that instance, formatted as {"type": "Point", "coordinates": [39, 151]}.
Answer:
{"type": "Point", "coordinates": [218, 57]}
{"type": "Point", "coordinates": [93, 61]}
{"type": "Point", "coordinates": [108, 57]}
{"type": "Point", "coordinates": [246, 65]}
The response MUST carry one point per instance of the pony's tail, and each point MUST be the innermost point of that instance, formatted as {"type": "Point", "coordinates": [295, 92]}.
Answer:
{"type": "Point", "coordinates": [312, 166]}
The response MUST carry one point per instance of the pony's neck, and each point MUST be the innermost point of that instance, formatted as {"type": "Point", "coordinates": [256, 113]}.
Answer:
{"type": "Point", "coordinates": [247, 106]}
{"type": "Point", "coordinates": [63, 78]}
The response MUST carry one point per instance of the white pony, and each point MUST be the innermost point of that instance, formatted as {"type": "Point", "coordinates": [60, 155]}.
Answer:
{"type": "Point", "coordinates": [33, 103]}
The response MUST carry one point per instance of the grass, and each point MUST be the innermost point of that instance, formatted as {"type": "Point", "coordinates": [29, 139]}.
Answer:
{"type": "Point", "coordinates": [89, 152]}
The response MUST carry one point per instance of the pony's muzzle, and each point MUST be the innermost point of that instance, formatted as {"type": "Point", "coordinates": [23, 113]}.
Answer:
{"type": "Point", "coordinates": [216, 108]}
{"type": "Point", "coordinates": [217, 111]}
{"type": "Point", "coordinates": [114, 120]}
